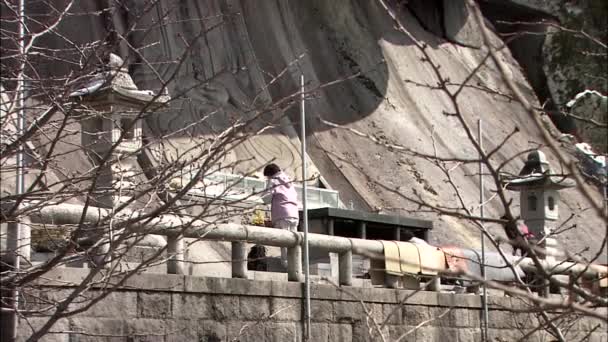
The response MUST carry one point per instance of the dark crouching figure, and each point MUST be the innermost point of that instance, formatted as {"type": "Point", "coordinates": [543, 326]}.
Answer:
{"type": "Point", "coordinates": [517, 231]}
{"type": "Point", "coordinates": [257, 259]}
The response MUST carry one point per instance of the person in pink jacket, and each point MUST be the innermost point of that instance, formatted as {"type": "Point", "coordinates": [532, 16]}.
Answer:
{"type": "Point", "coordinates": [519, 233]}
{"type": "Point", "coordinates": [282, 196]}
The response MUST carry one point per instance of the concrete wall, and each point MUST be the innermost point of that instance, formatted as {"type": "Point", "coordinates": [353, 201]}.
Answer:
{"type": "Point", "coordinates": [154, 307]}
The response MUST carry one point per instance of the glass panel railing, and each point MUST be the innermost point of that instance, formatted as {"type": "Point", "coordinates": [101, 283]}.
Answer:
{"type": "Point", "coordinates": [233, 186]}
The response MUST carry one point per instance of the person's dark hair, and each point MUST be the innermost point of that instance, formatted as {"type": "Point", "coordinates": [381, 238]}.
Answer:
{"type": "Point", "coordinates": [271, 170]}
{"type": "Point", "coordinates": [406, 235]}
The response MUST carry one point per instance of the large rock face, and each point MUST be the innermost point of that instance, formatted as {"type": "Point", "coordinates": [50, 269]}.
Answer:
{"type": "Point", "coordinates": [564, 58]}
{"type": "Point", "coordinates": [574, 59]}
{"type": "Point", "coordinates": [244, 44]}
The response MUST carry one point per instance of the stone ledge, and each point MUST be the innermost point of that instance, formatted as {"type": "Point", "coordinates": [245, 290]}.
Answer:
{"type": "Point", "coordinates": [68, 277]}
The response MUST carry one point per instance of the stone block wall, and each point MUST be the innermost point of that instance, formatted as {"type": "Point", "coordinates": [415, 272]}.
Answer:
{"type": "Point", "coordinates": [167, 308]}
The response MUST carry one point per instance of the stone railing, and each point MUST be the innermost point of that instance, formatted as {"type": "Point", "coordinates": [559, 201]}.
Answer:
{"type": "Point", "coordinates": [172, 226]}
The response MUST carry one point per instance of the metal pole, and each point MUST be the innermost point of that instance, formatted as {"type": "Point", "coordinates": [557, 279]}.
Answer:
{"type": "Point", "coordinates": [484, 298]}
{"type": "Point", "coordinates": [14, 231]}
{"type": "Point", "coordinates": [305, 212]}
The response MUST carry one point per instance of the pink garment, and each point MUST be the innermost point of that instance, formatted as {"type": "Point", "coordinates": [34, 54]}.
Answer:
{"type": "Point", "coordinates": [284, 197]}
{"type": "Point", "coordinates": [524, 230]}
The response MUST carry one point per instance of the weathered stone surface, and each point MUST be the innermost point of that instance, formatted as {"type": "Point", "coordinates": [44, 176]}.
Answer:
{"type": "Point", "coordinates": [363, 332]}
{"type": "Point", "coordinates": [286, 309]}
{"type": "Point", "coordinates": [38, 299]}
{"type": "Point", "coordinates": [430, 333]}
{"type": "Point", "coordinates": [325, 292]}
{"type": "Point", "coordinates": [117, 304]}
{"type": "Point", "coordinates": [475, 318]}
{"type": "Point", "coordinates": [154, 305]}
{"type": "Point", "coordinates": [589, 324]}
{"type": "Point", "coordinates": [393, 313]}
{"type": "Point", "coordinates": [254, 308]}
{"type": "Point", "coordinates": [290, 289]}
{"type": "Point", "coordinates": [85, 329]}
{"type": "Point", "coordinates": [340, 332]}
{"type": "Point", "coordinates": [400, 331]}
{"type": "Point", "coordinates": [506, 335]}
{"type": "Point", "coordinates": [321, 311]}
{"type": "Point", "coordinates": [459, 318]}
{"type": "Point", "coordinates": [457, 26]}
{"type": "Point", "coordinates": [223, 307]}
{"type": "Point", "coordinates": [349, 312]}
{"type": "Point", "coordinates": [376, 311]}
{"type": "Point", "coordinates": [182, 329]}
{"type": "Point", "coordinates": [284, 331]}
{"type": "Point", "coordinates": [30, 325]}
{"type": "Point", "coordinates": [212, 331]}
{"type": "Point", "coordinates": [146, 330]}
{"type": "Point", "coordinates": [247, 332]}
{"type": "Point", "coordinates": [319, 332]}
{"type": "Point", "coordinates": [441, 316]}
{"type": "Point", "coordinates": [525, 320]}
{"type": "Point", "coordinates": [504, 303]}
{"type": "Point", "coordinates": [502, 320]}
{"type": "Point", "coordinates": [598, 337]}
{"type": "Point", "coordinates": [213, 317]}
{"type": "Point", "coordinates": [156, 282]}
{"type": "Point", "coordinates": [415, 314]}
{"type": "Point", "coordinates": [469, 335]}
{"type": "Point", "coordinates": [190, 306]}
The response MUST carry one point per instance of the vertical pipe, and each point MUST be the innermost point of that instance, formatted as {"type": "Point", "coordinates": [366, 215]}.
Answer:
{"type": "Point", "coordinates": [239, 260]}
{"type": "Point", "coordinates": [484, 298]}
{"type": "Point", "coordinates": [305, 211]}
{"type": "Point", "coordinates": [21, 119]}
{"type": "Point", "coordinates": [18, 234]}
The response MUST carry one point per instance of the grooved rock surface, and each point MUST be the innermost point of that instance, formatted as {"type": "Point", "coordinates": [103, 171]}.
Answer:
{"type": "Point", "coordinates": [388, 96]}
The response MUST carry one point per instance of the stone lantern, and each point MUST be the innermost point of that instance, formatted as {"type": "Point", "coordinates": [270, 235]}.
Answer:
{"type": "Point", "coordinates": [112, 108]}
{"type": "Point", "coordinates": [539, 196]}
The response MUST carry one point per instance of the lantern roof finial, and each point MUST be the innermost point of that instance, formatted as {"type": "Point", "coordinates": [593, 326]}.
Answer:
{"type": "Point", "coordinates": [113, 79]}
{"type": "Point", "coordinates": [537, 173]}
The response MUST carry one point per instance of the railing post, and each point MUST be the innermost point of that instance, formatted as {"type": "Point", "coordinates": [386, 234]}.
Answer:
{"type": "Point", "coordinates": [362, 230]}
{"type": "Point", "coordinates": [435, 284]}
{"type": "Point", "coordinates": [175, 249]}
{"type": "Point", "coordinates": [573, 281]}
{"type": "Point", "coordinates": [294, 263]}
{"type": "Point", "coordinates": [102, 257]}
{"type": "Point", "coordinates": [345, 260]}
{"type": "Point", "coordinates": [543, 290]}
{"type": "Point", "coordinates": [391, 281]}
{"type": "Point", "coordinates": [239, 260]}
{"type": "Point", "coordinates": [333, 257]}
{"type": "Point", "coordinates": [397, 234]}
